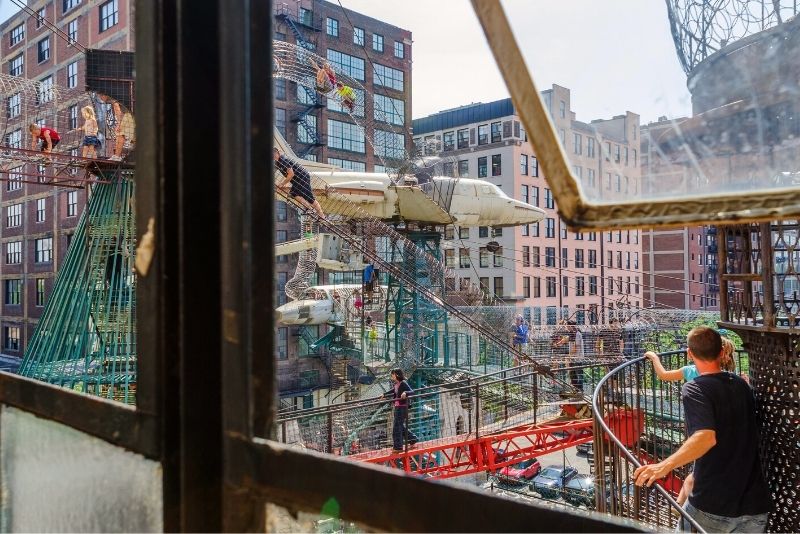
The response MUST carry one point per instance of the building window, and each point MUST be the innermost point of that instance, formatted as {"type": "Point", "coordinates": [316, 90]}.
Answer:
{"type": "Point", "coordinates": [44, 250]}
{"type": "Point", "coordinates": [43, 49]}
{"type": "Point", "coordinates": [619, 259]}
{"type": "Point", "coordinates": [498, 286]}
{"type": "Point", "coordinates": [109, 15]}
{"type": "Point", "coordinates": [550, 228]}
{"type": "Point", "coordinates": [73, 117]}
{"type": "Point", "coordinates": [377, 42]}
{"type": "Point", "coordinates": [16, 65]}
{"type": "Point", "coordinates": [41, 209]}
{"type": "Point", "coordinates": [526, 256]}
{"type": "Point", "coordinates": [11, 337]}
{"type": "Point", "coordinates": [483, 134]}
{"type": "Point", "coordinates": [463, 258]}
{"type": "Point", "coordinates": [590, 147]}
{"type": "Point", "coordinates": [579, 287]}
{"type": "Point", "coordinates": [45, 90]}
{"type": "Point", "coordinates": [282, 345]}
{"type": "Point", "coordinates": [593, 285]}
{"type": "Point", "coordinates": [13, 289]}
{"type": "Point", "coordinates": [579, 258]}
{"type": "Point", "coordinates": [390, 145]}
{"type": "Point", "coordinates": [280, 121]}
{"type": "Point", "coordinates": [497, 132]}
{"type": "Point", "coordinates": [72, 203]}
{"type": "Point", "coordinates": [14, 215]}
{"type": "Point", "coordinates": [549, 257]}
{"type": "Point", "coordinates": [448, 141]}
{"type": "Point", "coordinates": [389, 110]}
{"type": "Point", "coordinates": [535, 229]}
{"type": "Point", "coordinates": [14, 179]}
{"type": "Point", "coordinates": [534, 166]}
{"type": "Point", "coordinates": [358, 36]}
{"type": "Point", "coordinates": [40, 16]}
{"type": "Point", "coordinates": [399, 50]}
{"type": "Point", "coordinates": [482, 167]}
{"type": "Point", "coordinates": [577, 143]}
{"type": "Point", "coordinates": [548, 198]}
{"type": "Point", "coordinates": [636, 285]}
{"type": "Point", "coordinates": [526, 287]}
{"type": "Point", "coordinates": [72, 31]}
{"type": "Point", "coordinates": [610, 285]}
{"type": "Point", "coordinates": [348, 165]}
{"type": "Point", "coordinates": [551, 286]}
{"type": "Point", "coordinates": [463, 138]}
{"type": "Point", "coordinates": [17, 34]}
{"type": "Point", "coordinates": [497, 259]}
{"type": "Point", "coordinates": [536, 259]}
{"type": "Point", "coordinates": [345, 136]}
{"type": "Point", "coordinates": [483, 257]}
{"type": "Point", "coordinates": [618, 183]}
{"type": "Point", "coordinates": [308, 132]}
{"type": "Point", "coordinates": [69, 4]}
{"type": "Point", "coordinates": [496, 167]}
{"type": "Point", "coordinates": [332, 27]}
{"type": "Point", "coordinates": [564, 286]}
{"type": "Point", "coordinates": [562, 109]}
{"type": "Point", "coordinates": [72, 74]}
{"type": "Point", "coordinates": [13, 252]}
{"type": "Point", "coordinates": [14, 105]}
{"type": "Point", "coordinates": [497, 231]}
{"type": "Point", "coordinates": [352, 66]}
{"type": "Point", "coordinates": [388, 77]}
{"type": "Point", "coordinates": [537, 287]}
{"type": "Point", "coordinates": [525, 194]}
{"type": "Point", "coordinates": [592, 259]}
{"type": "Point", "coordinates": [523, 164]}
{"type": "Point", "coordinates": [463, 168]}
{"type": "Point", "coordinates": [40, 292]}
{"type": "Point", "coordinates": [635, 260]}
{"type": "Point", "coordinates": [450, 257]}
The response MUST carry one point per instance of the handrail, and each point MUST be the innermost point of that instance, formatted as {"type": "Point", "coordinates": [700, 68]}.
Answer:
{"type": "Point", "coordinates": [607, 432]}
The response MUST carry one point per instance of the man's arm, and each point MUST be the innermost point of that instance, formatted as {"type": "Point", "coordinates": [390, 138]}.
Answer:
{"type": "Point", "coordinates": [693, 448]}
{"type": "Point", "coordinates": [34, 139]}
{"type": "Point", "coordinates": [48, 141]}
{"type": "Point", "coordinates": [287, 177]}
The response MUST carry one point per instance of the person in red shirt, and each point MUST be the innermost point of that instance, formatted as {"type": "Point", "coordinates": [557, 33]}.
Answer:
{"type": "Point", "coordinates": [48, 136]}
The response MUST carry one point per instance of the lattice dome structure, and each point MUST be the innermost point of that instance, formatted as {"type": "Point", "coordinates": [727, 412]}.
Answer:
{"type": "Point", "coordinates": [701, 28]}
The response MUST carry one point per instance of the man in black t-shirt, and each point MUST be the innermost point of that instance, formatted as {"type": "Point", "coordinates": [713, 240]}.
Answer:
{"type": "Point", "coordinates": [729, 494]}
{"type": "Point", "coordinates": [301, 181]}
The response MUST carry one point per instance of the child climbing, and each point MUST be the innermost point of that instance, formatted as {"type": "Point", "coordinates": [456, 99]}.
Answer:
{"type": "Point", "coordinates": [326, 77]}
{"type": "Point", "coordinates": [91, 143]}
{"type": "Point", "coordinates": [300, 179]}
{"type": "Point", "coordinates": [347, 95]}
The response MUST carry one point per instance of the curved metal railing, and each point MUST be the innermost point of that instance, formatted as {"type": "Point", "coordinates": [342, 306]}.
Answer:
{"type": "Point", "coordinates": [639, 420]}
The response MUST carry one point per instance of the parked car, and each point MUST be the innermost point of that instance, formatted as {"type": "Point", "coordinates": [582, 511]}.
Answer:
{"type": "Point", "coordinates": [520, 473]}
{"type": "Point", "coordinates": [584, 448]}
{"type": "Point", "coordinates": [580, 491]}
{"type": "Point", "coordinates": [551, 480]}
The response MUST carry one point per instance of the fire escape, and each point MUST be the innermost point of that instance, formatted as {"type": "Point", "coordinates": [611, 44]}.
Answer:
{"type": "Point", "coordinates": [300, 22]}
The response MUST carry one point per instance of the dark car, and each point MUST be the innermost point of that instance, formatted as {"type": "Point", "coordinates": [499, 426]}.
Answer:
{"type": "Point", "coordinates": [580, 491]}
{"type": "Point", "coordinates": [584, 448]}
{"type": "Point", "coordinates": [520, 473]}
{"type": "Point", "coordinates": [552, 479]}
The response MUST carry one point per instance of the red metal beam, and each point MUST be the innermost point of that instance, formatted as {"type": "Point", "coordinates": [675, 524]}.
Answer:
{"type": "Point", "coordinates": [467, 454]}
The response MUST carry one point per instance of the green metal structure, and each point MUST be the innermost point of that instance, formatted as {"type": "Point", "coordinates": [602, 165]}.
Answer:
{"type": "Point", "coordinates": [86, 337]}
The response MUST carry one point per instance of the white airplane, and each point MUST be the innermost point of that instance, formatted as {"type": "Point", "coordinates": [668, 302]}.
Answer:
{"type": "Point", "coordinates": [326, 304]}
{"type": "Point", "coordinates": [333, 254]}
{"type": "Point", "coordinates": [442, 200]}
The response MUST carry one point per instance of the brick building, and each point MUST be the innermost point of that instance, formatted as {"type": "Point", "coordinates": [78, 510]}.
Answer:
{"type": "Point", "coordinates": [376, 54]}
{"type": "Point", "coordinates": [680, 264]}
{"type": "Point", "coordinates": [543, 268]}
{"type": "Point", "coordinates": [38, 220]}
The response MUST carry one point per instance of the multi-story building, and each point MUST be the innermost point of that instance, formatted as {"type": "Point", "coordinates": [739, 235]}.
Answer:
{"type": "Point", "coordinates": [378, 56]}
{"type": "Point", "coordinates": [38, 220]}
{"type": "Point", "coordinates": [680, 264]}
{"type": "Point", "coordinates": [544, 268]}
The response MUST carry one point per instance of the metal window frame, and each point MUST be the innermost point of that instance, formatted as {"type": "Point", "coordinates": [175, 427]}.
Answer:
{"type": "Point", "coordinates": [217, 474]}
{"type": "Point", "coordinates": [574, 207]}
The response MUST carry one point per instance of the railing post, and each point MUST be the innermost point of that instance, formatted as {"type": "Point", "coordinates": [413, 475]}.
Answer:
{"type": "Point", "coordinates": [330, 432]}
{"type": "Point", "coordinates": [505, 396]}
{"type": "Point", "coordinates": [477, 411]}
{"type": "Point", "coordinates": [535, 378]}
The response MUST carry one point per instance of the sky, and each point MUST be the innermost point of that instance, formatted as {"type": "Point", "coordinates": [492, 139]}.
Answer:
{"type": "Point", "coordinates": [614, 55]}
{"type": "Point", "coordinates": [7, 8]}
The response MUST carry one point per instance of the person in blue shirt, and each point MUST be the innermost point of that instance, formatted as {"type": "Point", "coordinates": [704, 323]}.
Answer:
{"type": "Point", "coordinates": [519, 336]}
{"type": "Point", "coordinates": [689, 372]}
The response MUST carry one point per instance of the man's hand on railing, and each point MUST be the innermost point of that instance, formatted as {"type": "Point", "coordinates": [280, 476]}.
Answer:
{"type": "Point", "coordinates": [647, 474]}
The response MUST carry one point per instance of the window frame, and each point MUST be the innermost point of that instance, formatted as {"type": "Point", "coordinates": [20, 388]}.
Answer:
{"type": "Point", "coordinates": [109, 19]}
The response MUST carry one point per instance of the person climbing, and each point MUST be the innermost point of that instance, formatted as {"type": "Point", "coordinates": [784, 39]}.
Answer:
{"type": "Point", "coordinates": [326, 77]}
{"type": "Point", "coordinates": [300, 179]}
{"type": "Point", "coordinates": [48, 136]}
{"type": "Point", "coordinates": [400, 432]}
{"type": "Point", "coordinates": [125, 131]}
{"type": "Point", "coordinates": [91, 143]}
{"type": "Point", "coordinates": [368, 279]}
{"type": "Point", "coordinates": [347, 95]}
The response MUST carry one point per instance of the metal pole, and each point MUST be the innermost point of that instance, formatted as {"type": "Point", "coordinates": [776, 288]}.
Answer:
{"type": "Point", "coordinates": [477, 411]}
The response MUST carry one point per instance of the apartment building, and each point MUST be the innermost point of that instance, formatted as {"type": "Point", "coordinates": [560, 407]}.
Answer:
{"type": "Point", "coordinates": [545, 269]}
{"type": "Point", "coordinates": [680, 265]}
{"type": "Point", "coordinates": [377, 55]}
{"type": "Point", "coordinates": [39, 220]}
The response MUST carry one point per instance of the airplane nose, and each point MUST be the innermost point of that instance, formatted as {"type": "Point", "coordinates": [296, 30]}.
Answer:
{"type": "Point", "coordinates": [526, 214]}
{"type": "Point", "coordinates": [278, 316]}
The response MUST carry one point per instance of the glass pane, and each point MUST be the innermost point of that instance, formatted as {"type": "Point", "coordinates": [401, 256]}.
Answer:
{"type": "Point", "coordinates": [55, 478]}
{"type": "Point", "coordinates": [719, 117]}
